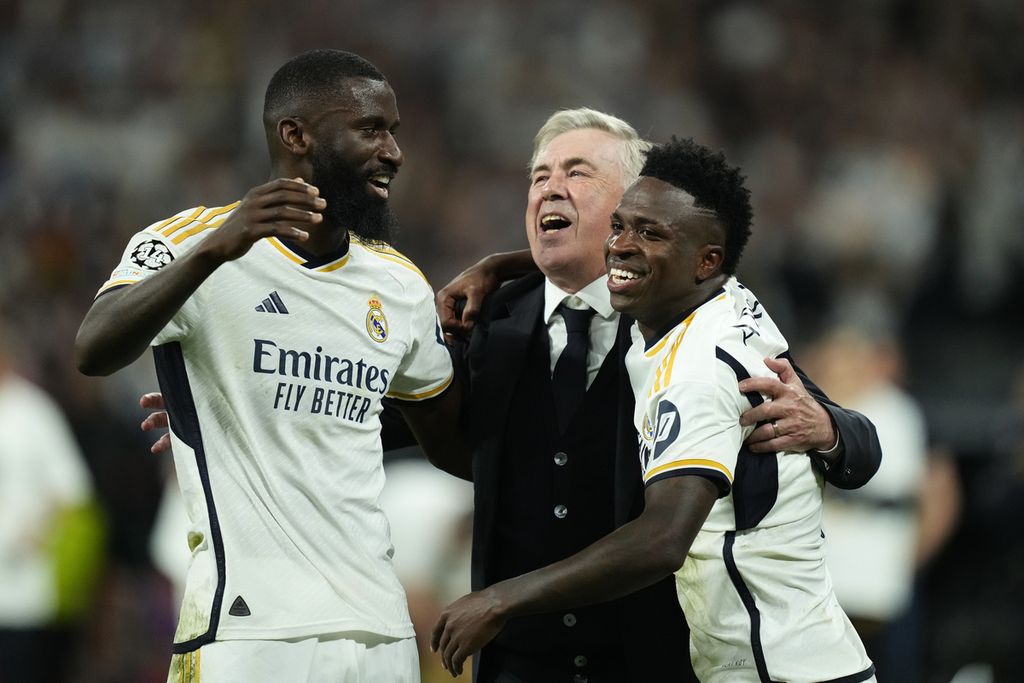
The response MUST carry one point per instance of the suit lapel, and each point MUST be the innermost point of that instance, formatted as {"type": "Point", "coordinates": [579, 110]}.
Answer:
{"type": "Point", "coordinates": [506, 348]}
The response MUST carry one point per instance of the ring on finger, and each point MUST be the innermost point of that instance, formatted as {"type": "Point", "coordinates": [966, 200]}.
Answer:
{"type": "Point", "coordinates": [775, 429]}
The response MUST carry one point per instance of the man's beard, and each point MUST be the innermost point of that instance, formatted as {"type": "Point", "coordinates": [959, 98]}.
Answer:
{"type": "Point", "coordinates": [348, 203]}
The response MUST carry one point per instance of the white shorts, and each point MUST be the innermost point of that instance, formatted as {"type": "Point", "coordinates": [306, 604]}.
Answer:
{"type": "Point", "coordinates": [341, 658]}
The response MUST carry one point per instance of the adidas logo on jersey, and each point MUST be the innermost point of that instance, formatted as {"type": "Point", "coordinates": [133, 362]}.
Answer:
{"type": "Point", "coordinates": [272, 304]}
{"type": "Point", "coordinates": [239, 608]}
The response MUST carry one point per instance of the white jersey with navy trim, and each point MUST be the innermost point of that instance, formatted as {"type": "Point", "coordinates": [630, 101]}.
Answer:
{"type": "Point", "coordinates": [274, 371]}
{"type": "Point", "coordinates": [754, 586]}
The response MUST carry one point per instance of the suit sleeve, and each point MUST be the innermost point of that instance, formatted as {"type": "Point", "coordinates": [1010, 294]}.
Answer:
{"type": "Point", "coordinates": [860, 452]}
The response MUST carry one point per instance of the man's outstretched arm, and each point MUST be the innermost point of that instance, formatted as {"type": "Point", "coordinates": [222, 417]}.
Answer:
{"type": "Point", "coordinates": [122, 323]}
{"type": "Point", "coordinates": [632, 557]}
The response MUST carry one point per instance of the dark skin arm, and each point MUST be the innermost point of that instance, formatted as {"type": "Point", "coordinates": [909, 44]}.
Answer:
{"type": "Point", "coordinates": [121, 324]}
{"type": "Point", "coordinates": [474, 284]}
{"type": "Point", "coordinates": [435, 424]}
{"type": "Point", "coordinates": [632, 557]}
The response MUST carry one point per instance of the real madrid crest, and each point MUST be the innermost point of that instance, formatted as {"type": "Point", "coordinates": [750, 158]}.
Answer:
{"type": "Point", "coordinates": [376, 323]}
{"type": "Point", "coordinates": [648, 429]}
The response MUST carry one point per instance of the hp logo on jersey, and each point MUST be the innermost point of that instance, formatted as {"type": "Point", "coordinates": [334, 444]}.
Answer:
{"type": "Point", "coordinates": [376, 323]}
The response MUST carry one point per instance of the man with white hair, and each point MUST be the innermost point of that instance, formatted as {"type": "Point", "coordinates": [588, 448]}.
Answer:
{"type": "Point", "coordinates": [555, 464]}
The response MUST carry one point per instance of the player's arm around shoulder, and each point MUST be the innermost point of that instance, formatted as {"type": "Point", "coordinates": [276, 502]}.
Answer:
{"type": "Point", "coordinates": [122, 322]}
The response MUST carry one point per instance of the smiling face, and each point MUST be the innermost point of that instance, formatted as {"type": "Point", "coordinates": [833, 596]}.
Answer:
{"type": "Point", "coordinates": [576, 181]}
{"type": "Point", "coordinates": [663, 255]}
{"type": "Point", "coordinates": [354, 155]}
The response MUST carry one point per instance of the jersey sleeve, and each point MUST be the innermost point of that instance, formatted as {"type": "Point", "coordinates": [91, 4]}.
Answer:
{"type": "Point", "coordinates": [695, 430]}
{"type": "Point", "coordinates": [151, 250]}
{"type": "Point", "coordinates": [426, 370]}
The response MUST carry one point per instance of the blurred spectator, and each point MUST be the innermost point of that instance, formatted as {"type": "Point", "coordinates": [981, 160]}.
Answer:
{"type": "Point", "coordinates": [431, 516]}
{"type": "Point", "coordinates": [880, 535]}
{"type": "Point", "coordinates": [51, 537]}
{"type": "Point", "coordinates": [168, 542]}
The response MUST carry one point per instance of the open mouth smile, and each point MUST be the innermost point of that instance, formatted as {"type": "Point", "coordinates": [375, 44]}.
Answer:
{"type": "Point", "coordinates": [621, 279]}
{"type": "Point", "coordinates": [554, 221]}
{"type": "Point", "coordinates": [381, 183]}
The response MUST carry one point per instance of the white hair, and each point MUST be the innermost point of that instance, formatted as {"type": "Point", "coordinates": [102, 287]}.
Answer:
{"type": "Point", "coordinates": [634, 147]}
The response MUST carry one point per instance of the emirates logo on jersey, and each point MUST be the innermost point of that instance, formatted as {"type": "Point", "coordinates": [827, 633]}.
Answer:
{"type": "Point", "coordinates": [152, 255]}
{"type": "Point", "coordinates": [376, 323]}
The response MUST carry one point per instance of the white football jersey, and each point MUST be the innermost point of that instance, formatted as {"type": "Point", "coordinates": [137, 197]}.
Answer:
{"type": "Point", "coordinates": [754, 586]}
{"type": "Point", "coordinates": [273, 372]}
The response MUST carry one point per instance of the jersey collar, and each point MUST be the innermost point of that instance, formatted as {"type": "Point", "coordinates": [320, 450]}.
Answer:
{"type": "Point", "coordinates": [325, 262]}
{"type": "Point", "coordinates": [674, 322]}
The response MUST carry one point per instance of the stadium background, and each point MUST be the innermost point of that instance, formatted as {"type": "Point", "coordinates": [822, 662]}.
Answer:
{"type": "Point", "coordinates": [883, 141]}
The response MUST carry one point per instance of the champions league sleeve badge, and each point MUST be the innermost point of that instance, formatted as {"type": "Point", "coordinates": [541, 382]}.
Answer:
{"type": "Point", "coordinates": [376, 323]}
{"type": "Point", "coordinates": [151, 255]}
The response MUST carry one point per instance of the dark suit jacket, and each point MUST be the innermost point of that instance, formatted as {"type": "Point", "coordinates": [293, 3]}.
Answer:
{"type": "Point", "coordinates": [490, 366]}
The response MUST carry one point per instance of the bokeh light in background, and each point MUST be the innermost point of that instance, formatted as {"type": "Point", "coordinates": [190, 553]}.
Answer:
{"type": "Point", "coordinates": [883, 141]}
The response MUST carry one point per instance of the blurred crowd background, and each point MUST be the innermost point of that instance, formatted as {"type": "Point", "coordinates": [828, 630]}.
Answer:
{"type": "Point", "coordinates": [883, 141]}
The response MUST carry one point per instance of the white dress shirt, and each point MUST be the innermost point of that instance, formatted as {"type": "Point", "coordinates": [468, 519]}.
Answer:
{"type": "Point", "coordinates": [603, 326]}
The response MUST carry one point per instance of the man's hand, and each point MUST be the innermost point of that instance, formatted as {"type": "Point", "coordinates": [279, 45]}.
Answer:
{"type": "Point", "coordinates": [156, 420]}
{"type": "Point", "coordinates": [121, 324]}
{"type": "Point", "coordinates": [270, 210]}
{"type": "Point", "coordinates": [472, 286]}
{"type": "Point", "coordinates": [465, 626]}
{"type": "Point", "coordinates": [795, 421]}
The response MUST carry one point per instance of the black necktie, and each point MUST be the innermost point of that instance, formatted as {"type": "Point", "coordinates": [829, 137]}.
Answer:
{"type": "Point", "coordinates": [569, 381]}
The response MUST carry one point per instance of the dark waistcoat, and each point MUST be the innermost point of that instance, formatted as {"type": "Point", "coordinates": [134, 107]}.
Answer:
{"type": "Point", "coordinates": [554, 499]}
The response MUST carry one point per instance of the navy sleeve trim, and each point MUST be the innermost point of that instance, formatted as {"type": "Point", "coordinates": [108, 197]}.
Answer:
{"type": "Point", "coordinates": [854, 678]}
{"type": "Point", "coordinates": [717, 478]}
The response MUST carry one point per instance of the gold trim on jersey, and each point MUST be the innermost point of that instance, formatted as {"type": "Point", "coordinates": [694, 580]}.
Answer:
{"type": "Point", "coordinates": [167, 229]}
{"type": "Point", "coordinates": [402, 262]}
{"type": "Point", "coordinates": [333, 266]}
{"type": "Point", "coordinates": [690, 462]}
{"type": "Point", "coordinates": [189, 665]}
{"type": "Point", "coordinates": [196, 224]}
{"type": "Point", "coordinates": [157, 227]}
{"type": "Point", "coordinates": [653, 351]}
{"type": "Point", "coordinates": [426, 394]}
{"type": "Point", "coordinates": [295, 258]}
{"type": "Point", "coordinates": [657, 347]}
{"type": "Point", "coordinates": [663, 375]}
{"type": "Point", "coordinates": [196, 230]}
{"type": "Point", "coordinates": [285, 250]}
{"type": "Point", "coordinates": [389, 253]}
{"type": "Point", "coordinates": [114, 284]}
